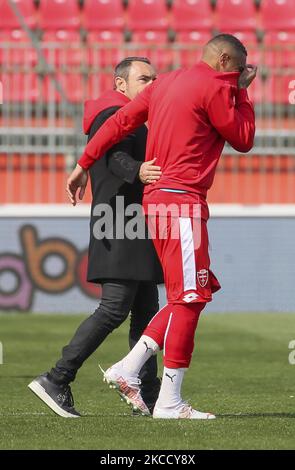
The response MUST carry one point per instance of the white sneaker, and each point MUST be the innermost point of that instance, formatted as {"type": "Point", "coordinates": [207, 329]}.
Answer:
{"type": "Point", "coordinates": [127, 386]}
{"type": "Point", "coordinates": [184, 411]}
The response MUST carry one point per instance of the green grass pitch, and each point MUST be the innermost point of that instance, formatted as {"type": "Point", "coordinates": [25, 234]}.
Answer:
{"type": "Point", "coordinates": [240, 371]}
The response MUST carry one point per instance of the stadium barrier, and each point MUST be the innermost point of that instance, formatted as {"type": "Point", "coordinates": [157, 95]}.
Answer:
{"type": "Point", "coordinates": [43, 258]}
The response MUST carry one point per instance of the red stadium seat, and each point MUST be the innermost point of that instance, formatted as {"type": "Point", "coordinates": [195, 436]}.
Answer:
{"type": "Point", "coordinates": [59, 14]}
{"type": "Point", "coordinates": [279, 49]}
{"type": "Point", "coordinates": [98, 83]}
{"type": "Point", "coordinates": [104, 48]}
{"type": "Point", "coordinates": [62, 47]}
{"type": "Point", "coordinates": [191, 15]}
{"type": "Point", "coordinates": [153, 44]}
{"type": "Point", "coordinates": [237, 15]}
{"type": "Point", "coordinates": [278, 15]}
{"type": "Point", "coordinates": [256, 90]}
{"type": "Point", "coordinates": [72, 84]}
{"type": "Point", "coordinates": [150, 37]}
{"type": "Point", "coordinates": [8, 19]}
{"type": "Point", "coordinates": [147, 15]}
{"type": "Point", "coordinates": [18, 49]}
{"type": "Point", "coordinates": [277, 88]}
{"type": "Point", "coordinates": [189, 47]}
{"type": "Point", "coordinates": [103, 15]}
{"type": "Point", "coordinates": [20, 87]}
{"type": "Point", "coordinates": [193, 37]}
{"type": "Point", "coordinates": [246, 37]}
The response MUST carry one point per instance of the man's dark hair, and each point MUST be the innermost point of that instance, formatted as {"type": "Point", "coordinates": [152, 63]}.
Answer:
{"type": "Point", "coordinates": [230, 39]}
{"type": "Point", "coordinates": [122, 68]}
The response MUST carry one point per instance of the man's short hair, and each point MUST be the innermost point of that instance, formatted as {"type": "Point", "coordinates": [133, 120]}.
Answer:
{"type": "Point", "coordinates": [229, 39]}
{"type": "Point", "coordinates": [122, 68]}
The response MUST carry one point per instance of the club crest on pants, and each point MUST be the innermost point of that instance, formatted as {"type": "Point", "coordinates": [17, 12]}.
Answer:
{"type": "Point", "coordinates": [202, 276]}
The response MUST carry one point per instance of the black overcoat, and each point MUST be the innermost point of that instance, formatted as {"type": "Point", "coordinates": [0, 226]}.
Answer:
{"type": "Point", "coordinates": [116, 174]}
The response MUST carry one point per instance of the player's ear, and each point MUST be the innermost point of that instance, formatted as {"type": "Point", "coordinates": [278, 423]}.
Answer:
{"type": "Point", "coordinates": [120, 84]}
{"type": "Point", "coordinates": [224, 59]}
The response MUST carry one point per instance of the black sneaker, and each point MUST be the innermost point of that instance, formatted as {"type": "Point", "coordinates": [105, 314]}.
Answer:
{"type": "Point", "coordinates": [58, 397]}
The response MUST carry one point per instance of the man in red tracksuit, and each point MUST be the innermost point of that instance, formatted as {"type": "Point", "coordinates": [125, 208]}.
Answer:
{"type": "Point", "coordinates": [191, 113]}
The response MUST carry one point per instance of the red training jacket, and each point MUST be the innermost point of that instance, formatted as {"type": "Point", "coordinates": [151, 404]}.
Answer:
{"type": "Point", "coordinates": [191, 113]}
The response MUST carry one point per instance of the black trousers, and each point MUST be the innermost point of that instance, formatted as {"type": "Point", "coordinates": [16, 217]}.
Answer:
{"type": "Point", "coordinates": [118, 299]}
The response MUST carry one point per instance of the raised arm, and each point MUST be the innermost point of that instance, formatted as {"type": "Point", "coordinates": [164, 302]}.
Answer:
{"type": "Point", "coordinates": [233, 119]}
{"type": "Point", "coordinates": [119, 159]}
{"type": "Point", "coordinates": [112, 131]}
{"type": "Point", "coordinates": [233, 116]}
{"type": "Point", "coordinates": [124, 121]}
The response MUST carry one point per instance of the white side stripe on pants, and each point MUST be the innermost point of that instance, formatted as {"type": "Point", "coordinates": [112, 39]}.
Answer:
{"type": "Point", "coordinates": [188, 254]}
{"type": "Point", "coordinates": [166, 332]}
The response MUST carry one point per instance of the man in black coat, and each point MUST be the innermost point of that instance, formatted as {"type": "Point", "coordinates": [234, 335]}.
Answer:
{"type": "Point", "coordinates": [127, 269]}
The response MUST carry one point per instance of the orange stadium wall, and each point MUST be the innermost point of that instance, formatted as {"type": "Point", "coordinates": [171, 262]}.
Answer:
{"type": "Point", "coordinates": [244, 179]}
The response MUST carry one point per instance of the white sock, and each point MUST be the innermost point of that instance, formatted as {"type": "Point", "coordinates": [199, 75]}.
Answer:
{"type": "Point", "coordinates": [169, 396]}
{"type": "Point", "coordinates": [142, 351]}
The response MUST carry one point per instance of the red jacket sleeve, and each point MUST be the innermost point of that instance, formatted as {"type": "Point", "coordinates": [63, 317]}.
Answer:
{"type": "Point", "coordinates": [233, 119]}
{"type": "Point", "coordinates": [124, 121]}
